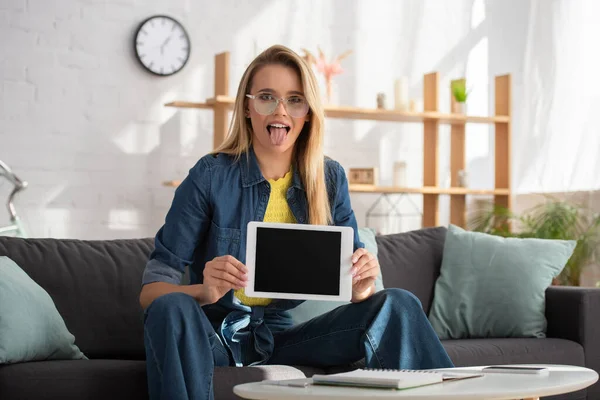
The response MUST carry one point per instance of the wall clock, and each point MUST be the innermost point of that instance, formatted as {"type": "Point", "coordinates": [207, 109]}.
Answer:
{"type": "Point", "coordinates": [162, 45]}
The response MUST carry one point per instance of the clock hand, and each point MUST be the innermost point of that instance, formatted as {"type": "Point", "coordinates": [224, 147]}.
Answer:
{"type": "Point", "coordinates": [164, 44]}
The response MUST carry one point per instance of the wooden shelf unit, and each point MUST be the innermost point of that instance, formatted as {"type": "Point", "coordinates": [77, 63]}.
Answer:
{"type": "Point", "coordinates": [221, 104]}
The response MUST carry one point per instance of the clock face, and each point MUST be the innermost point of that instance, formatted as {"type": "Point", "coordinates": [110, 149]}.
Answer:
{"type": "Point", "coordinates": [162, 45]}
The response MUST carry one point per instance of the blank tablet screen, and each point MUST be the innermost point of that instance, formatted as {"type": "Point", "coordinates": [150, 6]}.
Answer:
{"type": "Point", "coordinates": [297, 261]}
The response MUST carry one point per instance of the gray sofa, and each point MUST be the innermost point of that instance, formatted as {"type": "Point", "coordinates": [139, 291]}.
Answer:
{"type": "Point", "coordinates": [95, 286]}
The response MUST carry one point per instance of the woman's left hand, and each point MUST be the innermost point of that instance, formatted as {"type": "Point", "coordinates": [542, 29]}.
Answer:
{"type": "Point", "coordinates": [365, 270]}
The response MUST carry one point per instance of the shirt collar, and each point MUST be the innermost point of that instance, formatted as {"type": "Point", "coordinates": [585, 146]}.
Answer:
{"type": "Point", "coordinates": [251, 174]}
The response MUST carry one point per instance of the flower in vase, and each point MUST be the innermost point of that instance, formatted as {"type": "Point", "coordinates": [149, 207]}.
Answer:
{"type": "Point", "coordinates": [328, 69]}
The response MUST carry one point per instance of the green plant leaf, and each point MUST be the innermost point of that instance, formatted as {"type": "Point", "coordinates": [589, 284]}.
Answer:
{"type": "Point", "coordinates": [459, 90]}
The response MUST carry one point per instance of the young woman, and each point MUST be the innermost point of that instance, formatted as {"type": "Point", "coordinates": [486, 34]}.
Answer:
{"type": "Point", "coordinates": [270, 168]}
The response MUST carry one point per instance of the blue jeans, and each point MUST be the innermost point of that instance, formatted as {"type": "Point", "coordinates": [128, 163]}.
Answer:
{"type": "Point", "coordinates": [388, 330]}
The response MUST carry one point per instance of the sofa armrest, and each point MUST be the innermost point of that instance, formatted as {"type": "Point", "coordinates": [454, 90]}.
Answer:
{"type": "Point", "coordinates": [573, 313]}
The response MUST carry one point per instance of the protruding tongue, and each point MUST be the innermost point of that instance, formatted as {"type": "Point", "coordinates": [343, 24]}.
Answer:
{"type": "Point", "coordinates": [277, 135]}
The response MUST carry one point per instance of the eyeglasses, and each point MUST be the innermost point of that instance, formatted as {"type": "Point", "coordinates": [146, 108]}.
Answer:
{"type": "Point", "coordinates": [266, 104]}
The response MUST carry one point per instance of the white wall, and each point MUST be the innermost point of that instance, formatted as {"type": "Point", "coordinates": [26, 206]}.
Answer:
{"type": "Point", "coordinates": [85, 125]}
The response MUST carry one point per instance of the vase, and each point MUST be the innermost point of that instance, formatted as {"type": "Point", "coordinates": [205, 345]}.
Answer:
{"type": "Point", "coordinates": [381, 101]}
{"type": "Point", "coordinates": [458, 107]}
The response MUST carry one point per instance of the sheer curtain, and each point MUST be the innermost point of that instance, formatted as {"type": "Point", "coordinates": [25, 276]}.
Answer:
{"type": "Point", "coordinates": [557, 140]}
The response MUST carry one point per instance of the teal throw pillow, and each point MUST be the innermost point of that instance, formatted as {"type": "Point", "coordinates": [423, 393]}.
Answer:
{"type": "Point", "coordinates": [313, 308]}
{"type": "Point", "coordinates": [494, 287]}
{"type": "Point", "coordinates": [31, 328]}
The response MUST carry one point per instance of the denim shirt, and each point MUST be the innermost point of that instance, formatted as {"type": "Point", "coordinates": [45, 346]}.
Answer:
{"type": "Point", "coordinates": [208, 218]}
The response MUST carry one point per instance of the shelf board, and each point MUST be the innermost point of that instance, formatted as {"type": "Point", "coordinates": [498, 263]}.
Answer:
{"type": "Point", "coordinates": [427, 190]}
{"type": "Point", "coordinates": [406, 116]}
{"type": "Point", "coordinates": [188, 104]}
{"type": "Point", "coordinates": [371, 114]}
{"type": "Point", "coordinates": [171, 183]}
{"type": "Point", "coordinates": [222, 100]}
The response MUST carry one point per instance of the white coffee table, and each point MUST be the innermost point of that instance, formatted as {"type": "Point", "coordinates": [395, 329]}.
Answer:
{"type": "Point", "coordinates": [561, 379]}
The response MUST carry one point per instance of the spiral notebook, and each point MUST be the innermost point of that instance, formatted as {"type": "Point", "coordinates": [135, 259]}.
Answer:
{"type": "Point", "coordinates": [389, 379]}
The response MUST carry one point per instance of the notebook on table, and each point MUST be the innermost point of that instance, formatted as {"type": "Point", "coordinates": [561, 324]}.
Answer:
{"type": "Point", "coordinates": [389, 379]}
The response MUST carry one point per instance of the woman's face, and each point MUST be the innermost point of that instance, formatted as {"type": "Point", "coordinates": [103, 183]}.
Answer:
{"type": "Point", "coordinates": [276, 133]}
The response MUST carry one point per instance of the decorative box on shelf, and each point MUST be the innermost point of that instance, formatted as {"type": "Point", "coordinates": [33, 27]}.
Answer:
{"type": "Point", "coordinates": [363, 176]}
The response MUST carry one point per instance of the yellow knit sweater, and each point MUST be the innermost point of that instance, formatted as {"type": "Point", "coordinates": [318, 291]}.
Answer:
{"type": "Point", "coordinates": [278, 210]}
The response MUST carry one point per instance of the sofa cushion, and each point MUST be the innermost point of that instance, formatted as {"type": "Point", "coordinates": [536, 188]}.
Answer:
{"type": "Point", "coordinates": [74, 380]}
{"type": "Point", "coordinates": [95, 286]}
{"type": "Point", "coordinates": [412, 261]}
{"type": "Point", "coordinates": [494, 287]}
{"type": "Point", "coordinates": [30, 326]}
{"type": "Point", "coordinates": [113, 379]}
{"type": "Point", "coordinates": [473, 352]}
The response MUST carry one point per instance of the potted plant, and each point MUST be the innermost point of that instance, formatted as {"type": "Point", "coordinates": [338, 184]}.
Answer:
{"type": "Point", "coordinates": [554, 219]}
{"type": "Point", "coordinates": [459, 96]}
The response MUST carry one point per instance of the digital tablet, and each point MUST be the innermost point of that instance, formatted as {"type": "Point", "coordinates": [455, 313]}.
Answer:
{"type": "Point", "coordinates": [298, 261]}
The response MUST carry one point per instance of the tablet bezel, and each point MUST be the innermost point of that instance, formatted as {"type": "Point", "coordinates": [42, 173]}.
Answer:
{"type": "Point", "coordinates": [346, 252]}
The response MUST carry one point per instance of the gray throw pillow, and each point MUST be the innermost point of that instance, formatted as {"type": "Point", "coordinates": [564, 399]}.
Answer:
{"type": "Point", "coordinates": [412, 261]}
{"type": "Point", "coordinates": [494, 287]}
{"type": "Point", "coordinates": [31, 329]}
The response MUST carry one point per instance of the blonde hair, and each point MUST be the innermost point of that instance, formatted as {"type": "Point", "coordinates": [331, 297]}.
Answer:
{"type": "Point", "coordinates": [308, 151]}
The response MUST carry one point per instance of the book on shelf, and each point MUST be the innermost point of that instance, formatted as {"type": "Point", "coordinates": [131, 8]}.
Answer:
{"type": "Point", "coordinates": [390, 379]}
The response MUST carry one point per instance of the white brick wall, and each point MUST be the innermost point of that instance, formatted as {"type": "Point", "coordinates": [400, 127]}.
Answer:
{"type": "Point", "coordinates": [85, 125]}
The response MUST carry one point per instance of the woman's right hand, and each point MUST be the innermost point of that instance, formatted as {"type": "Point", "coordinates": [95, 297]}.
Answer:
{"type": "Point", "coordinates": [221, 275]}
